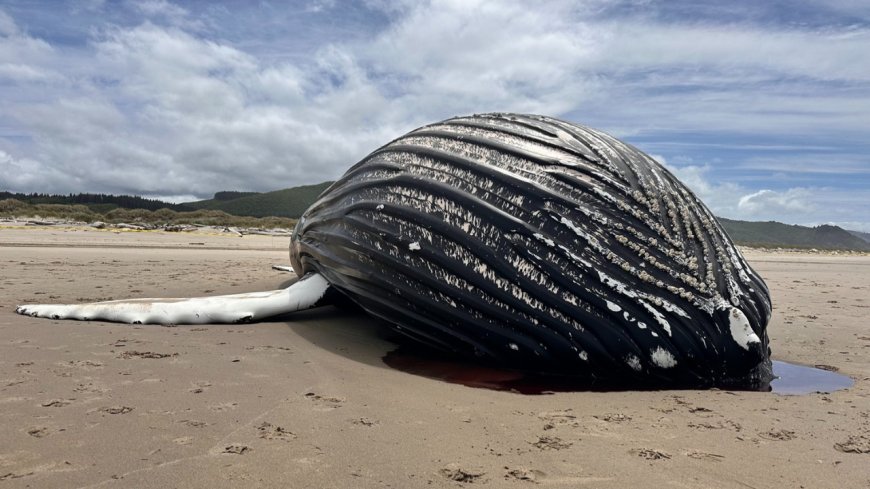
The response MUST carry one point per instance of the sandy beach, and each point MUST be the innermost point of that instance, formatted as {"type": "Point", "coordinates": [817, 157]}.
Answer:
{"type": "Point", "coordinates": [310, 402]}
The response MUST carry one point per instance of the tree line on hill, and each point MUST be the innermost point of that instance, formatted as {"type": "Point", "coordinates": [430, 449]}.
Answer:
{"type": "Point", "coordinates": [103, 202]}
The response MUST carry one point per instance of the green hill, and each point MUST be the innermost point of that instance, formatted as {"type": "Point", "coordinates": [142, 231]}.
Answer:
{"type": "Point", "coordinates": [777, 234]}
{"type": "Point", "coordinates": [290, 202]}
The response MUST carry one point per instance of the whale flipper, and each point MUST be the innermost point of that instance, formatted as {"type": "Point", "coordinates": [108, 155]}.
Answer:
{"type": "Point", "coordinates": [306, 293]}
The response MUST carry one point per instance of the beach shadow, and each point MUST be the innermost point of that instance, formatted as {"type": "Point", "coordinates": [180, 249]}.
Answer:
{"type": "Point", "coordinates": [344, 330]}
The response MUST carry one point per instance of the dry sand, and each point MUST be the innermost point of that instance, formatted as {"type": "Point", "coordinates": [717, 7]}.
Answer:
{"type": "Point", "coordinates": [310, 403]}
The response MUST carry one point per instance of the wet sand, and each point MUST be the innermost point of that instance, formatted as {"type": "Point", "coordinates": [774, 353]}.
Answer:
{"type": "Point", "coordinates": [308, 402]}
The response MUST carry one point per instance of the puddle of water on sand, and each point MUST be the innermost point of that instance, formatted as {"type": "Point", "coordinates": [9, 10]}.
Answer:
{"type": "Point", "coordinates": [790, 379]}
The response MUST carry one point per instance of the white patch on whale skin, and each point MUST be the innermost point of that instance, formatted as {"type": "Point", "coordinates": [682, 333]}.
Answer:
{"type": "Point", "coordinates": [613, 307]}
{"type": "Point", "coordinates": [673, 308]}
{"type": "Point", "coordinates": [659, 317]}
{"type": "Point", "coordinates": [225, 309]}
{"type": "Point", "coordinates": [584, 356]}
{"type": "Point", "coordinates": [616, 285]}
{"type": "Point", "coordinates": [663, 358]}
{"type": "Point", "coordinates": [741, 332]}
{"type": "Point", "coordinates": [414, 246]}
{"type": "Point", "coordinates": [549, 242]}
{"type": "Point", "coordinates": [632, 361]}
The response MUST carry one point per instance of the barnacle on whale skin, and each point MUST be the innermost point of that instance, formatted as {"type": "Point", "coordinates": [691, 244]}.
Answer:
{"type": "Point", "coordinates": [539, 244]}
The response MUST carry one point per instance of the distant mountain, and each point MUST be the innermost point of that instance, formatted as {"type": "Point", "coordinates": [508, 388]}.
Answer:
{"type": "Point", "coordinates": [862, 235]}
{"type": "Point", "coordinates": [290, 202]}
{"type": "Point", "coordinates": [777, 234]}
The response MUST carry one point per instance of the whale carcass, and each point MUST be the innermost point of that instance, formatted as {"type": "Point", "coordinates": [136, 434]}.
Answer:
{"type": "Point", "coordinates": [526, 242]}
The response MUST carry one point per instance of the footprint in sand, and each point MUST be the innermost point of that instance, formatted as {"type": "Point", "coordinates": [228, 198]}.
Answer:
{"type": "Point", "coordinates": [61, 373]}
{"type": "Point", "coordinates": [123, 342]}
{"type": "Point", "coordinates": [854, 444]}
{"type": "Point", "coordinates": [236, 449]}
{"type": "Point", "coordinates": [226, 406]}
{"type": "Point", "coordinates": [710, 457]}
{"type": "Point", "coordinates": [200, 387]}
{"type": "Point", "coordinates": [194, 423]}
{"type": "Point", "coordinates": [145, 354]}
{"type": "Point", "coordinates": [716, 425]}
{"type": "Point", "coordinates": [43, 431]}
{"type": "Point", "coordinates": [613, 417]}
{"type": "Point", "coordinates": [699, 409]}
{"type": "Point", "coordinates": [458, 474]}
{"type": "Point", "coordinates": [57, 402]}
{"type": "Point", "coordinates": [558, 418]}
{"type": "Point", "coordinates": [365, 422]}
{"type": "Point", "coordinates": [91, 387]}
{"type": "Point", "coordinates": [524, 474]}
{"type": "Point", "coordinates": [650, 453]}
{"type": "Point", "coordinates": [778, 435]}
{"type": "Point", "coordinates": [326, 402]}
{"type": "Point", "coordinates": [551, 443]}
{"type": "Point", "coordinates": [116, 409]}
{"type": "Point", "coordinates": [82, 364]}
{"type": "Point", "coordinates": [268, 431]}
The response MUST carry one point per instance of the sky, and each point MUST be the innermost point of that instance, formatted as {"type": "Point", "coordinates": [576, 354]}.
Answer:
{"type": "Point", "coordinates": [761, 108]}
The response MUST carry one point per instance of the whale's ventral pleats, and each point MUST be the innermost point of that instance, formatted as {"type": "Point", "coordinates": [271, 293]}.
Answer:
{"type": "Point", "coordinates": [534, 243]}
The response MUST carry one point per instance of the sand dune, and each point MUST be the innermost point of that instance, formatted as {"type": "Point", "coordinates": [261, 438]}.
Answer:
{"type": "Point", "coordinates": [310, 403]}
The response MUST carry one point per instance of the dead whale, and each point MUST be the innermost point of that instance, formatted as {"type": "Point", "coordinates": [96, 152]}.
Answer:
{"type": "Point", "coordinates": [523, 241]}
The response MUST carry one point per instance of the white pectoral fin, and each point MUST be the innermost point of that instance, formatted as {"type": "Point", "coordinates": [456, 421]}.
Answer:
{"type": "Point", "coordinates": [235, 308]}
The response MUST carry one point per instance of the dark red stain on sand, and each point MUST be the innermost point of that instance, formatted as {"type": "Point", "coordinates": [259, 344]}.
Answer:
{"type": "Point", "coordinates": [458, 371]}
{"type": "Point", "coordinates": [790, 379]}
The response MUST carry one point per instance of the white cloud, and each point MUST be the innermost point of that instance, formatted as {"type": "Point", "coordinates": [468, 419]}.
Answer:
{"type": "Point", "coordinates": [455, 57]}
{"type": "Point", "coordinates": [851, 225]}
{"type": "Point", "coordinates": [19, 48]}
{"type": "Point", "coordinates": [769, 202]}
{"type": "Point", "coordinates": [8, 28]}
{"type": "Point", "coordinates": [315, 6]}
{"type": "Point", "coordinates": [21, 73]}
{"type": "Point", "coordinates": [809, 206]}
{"type": "Point", "coordinates": [28, 173]}
{"type": "Point", "coordinates": [160, 7]}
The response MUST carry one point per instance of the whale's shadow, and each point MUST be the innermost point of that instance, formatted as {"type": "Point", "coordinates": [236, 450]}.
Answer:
{"type": "Point", "coordinates": [346, 332]}
{"type": "Point", "coordinates": [344, 329]}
